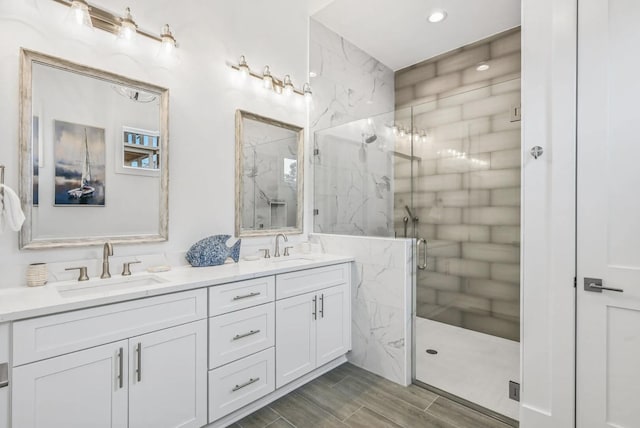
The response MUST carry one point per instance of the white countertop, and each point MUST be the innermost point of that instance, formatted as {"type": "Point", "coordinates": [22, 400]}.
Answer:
{"type": "Point", "coordinates": [25, 302]}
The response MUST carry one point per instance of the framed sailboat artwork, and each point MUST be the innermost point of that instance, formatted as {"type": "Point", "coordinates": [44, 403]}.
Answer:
{"type": "Point", "coordinates": [79, 154]}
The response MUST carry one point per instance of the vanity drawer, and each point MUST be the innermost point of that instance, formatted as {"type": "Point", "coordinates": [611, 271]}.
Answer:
{"type": "Point", "coordinates": [240, 295]}
{"type": "Point", "coordinates": [240, 383]}
{"type": "Point", "coordinates": [241, 333]}
{"type": "Point", "coordinates": [45, 337]}
{"type": "Point", "coordinates": [308, 280]}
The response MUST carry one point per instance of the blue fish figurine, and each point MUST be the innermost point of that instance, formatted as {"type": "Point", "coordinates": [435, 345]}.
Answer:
{"type": "Point", "coordinates": [213, 251]}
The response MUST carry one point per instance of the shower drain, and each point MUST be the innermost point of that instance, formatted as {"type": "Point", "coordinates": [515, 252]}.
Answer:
{"type": "Point", "coordinates": [432, 351]}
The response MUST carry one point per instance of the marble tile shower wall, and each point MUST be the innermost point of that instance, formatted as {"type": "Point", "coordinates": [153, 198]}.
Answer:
{"type": "Point", "coordinates": [380, 302]}
{"type": "Point", "coordinates": [353, 195]}
{"type": "Point", "coordinates": [467, 185]}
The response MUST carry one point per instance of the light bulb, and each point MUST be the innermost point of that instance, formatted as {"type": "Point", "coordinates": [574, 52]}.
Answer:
{"type": "Point", "coordinates": [128, 26]}
{"type": "Point", "coordinates": [437, 15]}
{"type": "Point", "coordinates": [168, 42]}
{"type": "Point", "coordinates": [306, 90]}
{"type": "Point", "coordinates": [288, 85]}
{"type": "Point", "coordinates": [80, 13]}
{"type": "Point", "coordinates": [483, 66]}
{"type": "Point", "coordinates": [243, 67]}
{"type": "Point", "coordinates": [267, 80]}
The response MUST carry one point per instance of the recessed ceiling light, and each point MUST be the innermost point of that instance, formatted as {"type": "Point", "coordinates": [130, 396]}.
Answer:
{"type": "Point", "coordinates": [312, 74]}
{"type": "Point", "coordinates": [483, 66]}
{"type": "Point", "coordinates": [437, 15]}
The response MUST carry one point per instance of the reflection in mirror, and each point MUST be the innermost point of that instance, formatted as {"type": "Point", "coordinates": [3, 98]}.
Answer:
{"type": "Point", "coordinates": [269, 176]}
{"type": "Point", "coordinates": [93, 147]}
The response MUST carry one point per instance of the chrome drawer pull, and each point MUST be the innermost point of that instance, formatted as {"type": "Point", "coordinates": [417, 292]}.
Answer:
{"type": "Point", "coordinates": [120, 367]}
{"type": "Point", "coordinates": [246, 296]}
{"type": "Point", "coordinates": [139, 369]}
{"type": "Point", "coordinates": [249, 382]}
{"type": "Point", "coordinates": [240, 336]}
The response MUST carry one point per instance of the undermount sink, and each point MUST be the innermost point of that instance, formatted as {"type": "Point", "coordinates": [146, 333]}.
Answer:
{"type": "Point", "coordinates": [103, 285]}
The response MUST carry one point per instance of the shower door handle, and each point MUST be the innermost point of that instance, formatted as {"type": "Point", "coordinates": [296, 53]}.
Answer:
{"type": "Point", "coordinates": [423, 265]}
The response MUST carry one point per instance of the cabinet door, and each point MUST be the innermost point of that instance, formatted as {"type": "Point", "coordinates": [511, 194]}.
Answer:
{"type": "Point", "coordinates": [295, 337]}
{"type": "Point", "coordinates": [168, 378]}
{"type": "Point", "coordinates": [83, 389]}
{"type": "Point", "coordinates": [333, 327]}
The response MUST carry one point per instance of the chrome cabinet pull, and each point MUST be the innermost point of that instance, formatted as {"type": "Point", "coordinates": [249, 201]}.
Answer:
{"type": "Point", "coordinates": [120, 368]}
{"type": "Point", "coordinates": [251, 333]}
{"type": "Point", "coordinates": [246, 296]}
{"type": "Point", "coordinates": [322, 306]}
{"type": "Point", "coordinates": [315, 307]}
{"type": "Point", "coordinates": [139, 368]}
{"type": "Point", "coordinates": [247, 383]}
{"type": "Point", "coordinates": [595, 285]}
{"type": "Point", "coordinates": [423, 265]}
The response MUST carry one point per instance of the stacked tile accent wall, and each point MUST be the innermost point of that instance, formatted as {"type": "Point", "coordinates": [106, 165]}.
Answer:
{"type": "Point", "coordinates": [467, 185]}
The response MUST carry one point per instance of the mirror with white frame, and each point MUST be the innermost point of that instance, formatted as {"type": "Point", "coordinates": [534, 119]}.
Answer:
{"type": "Point", "coordinates": [269, 176]}
{"type": "Point", "coordinates": [94, 160]}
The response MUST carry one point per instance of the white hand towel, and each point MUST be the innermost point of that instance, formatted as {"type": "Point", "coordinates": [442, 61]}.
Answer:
{"type": "Point", "coordinates": [10, 209]}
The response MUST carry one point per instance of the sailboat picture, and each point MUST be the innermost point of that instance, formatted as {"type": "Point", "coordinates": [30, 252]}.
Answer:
{"type": "Point", "coordinates": [79, 152]}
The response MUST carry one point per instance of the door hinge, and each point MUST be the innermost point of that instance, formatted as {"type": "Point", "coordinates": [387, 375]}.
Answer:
{"type": "Point", "coordinates": [514, 390]}
{"type": "Point", "coordinates": [316, 211]}
{"type": "Point", "coordinates": [316, 152]}
{"type": "Point", "coordinates": [575, 282]}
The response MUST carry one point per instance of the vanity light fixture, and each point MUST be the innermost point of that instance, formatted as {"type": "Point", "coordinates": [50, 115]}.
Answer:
{"type": "Point", "coordinates": [80, 13]}
{"type": "Point", "coordinates": [243, 67]}
{"type": "Point", "coordinates": [437, 15]}
{"type": "Point", "coordinates": [168, 41]}
{"type": "Point", "coordinates": [269, 81]}
{"type": "Point", "coordinates": [124, 27]}
{"type": "Point", "coordinates": [306, 90]}
{"type": "Point", "coordinates": [288, 86]}
{"type": "Point", "coordinates": [128, 26]}
{"type": "Point", "coordinates": [418, 135]}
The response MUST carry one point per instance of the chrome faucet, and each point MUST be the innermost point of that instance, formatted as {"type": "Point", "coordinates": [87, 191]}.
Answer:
{"type": "Point", "coordinates": [106, 252]}
{"type": "Point", "coordinates": [277, 251]}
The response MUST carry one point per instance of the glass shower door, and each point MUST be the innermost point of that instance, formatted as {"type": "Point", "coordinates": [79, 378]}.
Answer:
{"type": "Point", "coordinates": [466, 196]}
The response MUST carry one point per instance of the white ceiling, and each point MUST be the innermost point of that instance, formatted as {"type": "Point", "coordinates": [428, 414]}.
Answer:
{"type": "Point", "coordinates": [397, 33]}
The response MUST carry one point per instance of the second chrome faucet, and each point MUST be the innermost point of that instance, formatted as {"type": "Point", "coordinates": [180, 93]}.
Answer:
{"type": "Point", "coordinates": [106, 252]}
{"type": "Point", "coordinates": [277, 250]}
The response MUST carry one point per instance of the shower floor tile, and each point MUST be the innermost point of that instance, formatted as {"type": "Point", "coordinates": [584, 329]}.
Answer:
{"type": "Point", "coordinates": [474, 366]}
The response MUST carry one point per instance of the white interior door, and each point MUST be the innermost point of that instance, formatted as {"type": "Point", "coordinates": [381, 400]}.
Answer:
{"type": "Point", "coordinates": [608, 210]}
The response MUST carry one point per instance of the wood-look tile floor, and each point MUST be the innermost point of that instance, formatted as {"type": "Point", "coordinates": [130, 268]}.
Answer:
{"type": "Point", "coordinates": [351, 397]}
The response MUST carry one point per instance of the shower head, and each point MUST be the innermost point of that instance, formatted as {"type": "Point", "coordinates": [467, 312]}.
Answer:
{"type": "Point", "coordinates": [371, 138]}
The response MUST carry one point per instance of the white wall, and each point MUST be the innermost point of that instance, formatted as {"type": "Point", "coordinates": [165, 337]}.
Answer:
{"type": "Point", "coordinates": [548, 221]}
{"type": "Point", "coordinates": [204, 97]}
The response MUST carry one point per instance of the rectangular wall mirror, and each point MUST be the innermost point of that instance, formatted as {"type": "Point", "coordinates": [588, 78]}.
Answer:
{"type": "Point", "coordinates": [269, 176]}
{"type": "Point", "coordinates": [94, 158]}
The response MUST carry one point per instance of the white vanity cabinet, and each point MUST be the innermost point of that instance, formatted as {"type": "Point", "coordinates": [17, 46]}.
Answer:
{"type": "Point", "coordinates": [82, 389]}
{"type": "Point", "coordinates": [313, 320]}
{"type": "Point", "coordinates": [4, 375]}
{"type": "Point", "coordinates": [156, 377]}
{"type": "Point", "coordinates": [241, 340]}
